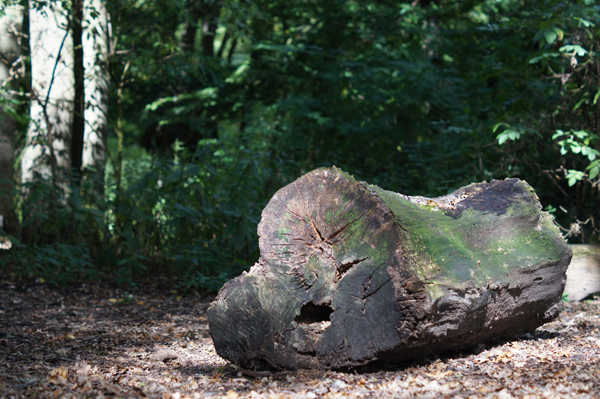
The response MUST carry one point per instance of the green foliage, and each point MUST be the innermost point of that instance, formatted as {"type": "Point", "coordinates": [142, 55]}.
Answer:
{"type": "Point", "coordinates": [566, 146]}
{"type": "Point", "coordinates": [193, 216]}
{"type": "Point", "coordinates": [417, 97]}
{"type": "Point", "coordinates": [57, 263]}
{"type": "Point", "coordinates": [58, 234]}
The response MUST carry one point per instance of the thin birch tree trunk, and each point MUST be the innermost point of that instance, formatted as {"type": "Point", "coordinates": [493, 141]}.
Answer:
{"type": "Point", "coordinates": [95, 41]}
{"type": "Point", "coordinates": [10, 24]}
{"type": "Point", "coordinates": [47, 152]}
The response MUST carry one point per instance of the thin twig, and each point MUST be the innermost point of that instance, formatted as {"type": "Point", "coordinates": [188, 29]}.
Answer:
{"type": "Point", "coordinates": [550, 175]}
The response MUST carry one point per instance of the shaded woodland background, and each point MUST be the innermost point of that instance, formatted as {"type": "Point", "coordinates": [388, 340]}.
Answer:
{"type": "Point", "coordinates": [213, 105]}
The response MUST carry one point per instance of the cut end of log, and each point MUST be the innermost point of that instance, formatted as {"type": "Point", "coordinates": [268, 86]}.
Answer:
{"type": "Point", "coordinates": [350, 273]}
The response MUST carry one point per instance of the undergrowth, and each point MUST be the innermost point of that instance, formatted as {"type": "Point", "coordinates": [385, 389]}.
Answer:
{"type": "Point", "coordinates": [192, 216]}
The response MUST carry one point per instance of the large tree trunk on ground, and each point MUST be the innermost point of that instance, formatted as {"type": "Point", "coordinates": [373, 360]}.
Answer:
{"type": "Point", "coordinates": [10, 24]}
{"type": "Point", "coordinates": [350, 273]}
{"type": "Point", "coordinates": [47, 151]}
{"type": "Point", "coordinates": [96, 36]}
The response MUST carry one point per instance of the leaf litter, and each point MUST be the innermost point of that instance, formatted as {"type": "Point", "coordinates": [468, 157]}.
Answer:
{"type": "Point", "coordinates": [96, 341]}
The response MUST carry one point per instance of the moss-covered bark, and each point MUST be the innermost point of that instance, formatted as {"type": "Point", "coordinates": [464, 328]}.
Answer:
{"type": "Point", "coordinates": [350, 273]}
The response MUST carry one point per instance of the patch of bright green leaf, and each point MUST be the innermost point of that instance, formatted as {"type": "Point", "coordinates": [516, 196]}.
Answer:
{"type": "Point", "coordinates": [573, 176]}
{"type": "Point", "coordinates": [549, 34]}
{"type": "Point", "coordinates": [545, 54]}
{"type": "Point", "coordinates": [573, 48]}
{"type": "Point", "coordinates": [594, 169]}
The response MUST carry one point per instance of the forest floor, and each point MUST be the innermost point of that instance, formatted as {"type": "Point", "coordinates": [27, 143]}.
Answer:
{"type": "Point", "coordinates": [97, 341]}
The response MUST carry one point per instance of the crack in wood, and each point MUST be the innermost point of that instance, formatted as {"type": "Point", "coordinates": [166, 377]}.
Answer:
{"type": "Point", "coordinates": [336, 233]}
{"type": "Point", "coordinates": [344, 209]}
{"type": "Point", "coordinates": [366, 295]}
{"type": "Point", "coordinates": [294, 213]}
{"type": "Point", "coordinates": [343, 268]}
{"type": "Point", "coordinates": [316, 230]}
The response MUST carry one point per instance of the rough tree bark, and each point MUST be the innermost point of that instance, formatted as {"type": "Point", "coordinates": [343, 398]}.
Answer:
{"type": "Point", "coordinates": [350, 273]}
{"type": "Point", "coordinates": [47, 151]}
{"type": "Point", "coordinates": [10, 25]}
{"type": "Point", "coordinates": [95, 40]}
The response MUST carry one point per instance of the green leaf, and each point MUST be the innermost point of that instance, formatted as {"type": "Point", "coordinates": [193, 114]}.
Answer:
{"type": "Point", "coordinates": [511, 134]}
{"type": "Point", "coordinates": [514, 135]}
{"type": "Point", "coordinates": [550, 34]}
{"type": "Point", "coordinates": [596, 96]}
{"type": "Point", "coordinates": [545, 54]}
{"type": "Point", "coordinates": [574, 175]}
{"type": "Point", "coordinates": [178, 145]}
{"type": "Point", "coordinates": [576, 148]}
{"type": "Point", "coordinates": [502, 137]}
{"type": "Point", "coordinates": [558, 134]}
{"type": "Point", "coordinates": [239, 73]}
{"type": "Point", "coordinates": [584, 22]}
{"type": "Point", "coordinates": [576, 107]}
{"type": "Point", "coordinates": [581, 134]}
{"type": "Point", "coordinates": [503, 124]}
{"type": "Point", "coordinates": [559, 32]}
{"type": "Point", "coordinates": [593, 164]}
{"type": "Point", "coordinates": [573, 48]}
{"type": "Point", "coordinates": [594, 172]}
{"type": "Point", "coordinates": [593, 153]}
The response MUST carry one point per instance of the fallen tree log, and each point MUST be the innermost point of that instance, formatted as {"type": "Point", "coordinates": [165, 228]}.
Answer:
{"type": "Point", "coordinates": [583, 274]}
{"type": "Point", "coordinates": [350, 273]}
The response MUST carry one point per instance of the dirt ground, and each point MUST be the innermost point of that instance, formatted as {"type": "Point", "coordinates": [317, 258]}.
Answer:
{"type": "Point", "coordinates": [95, 341]}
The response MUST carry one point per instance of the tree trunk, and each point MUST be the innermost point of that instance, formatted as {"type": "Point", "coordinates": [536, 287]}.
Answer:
{"type": "Point", "coordinates": [209, 29]}
{"type": "Point", "coordinates": [10, 24]}
{"type": "Point", "coordinates": [194, 11]}
{"type": "Point", "coordinates": [96, 37]}
{"type": "Point", "coordinates": [78, 128]}
{"type": "Point", "coordinates": [47, 151]}
{"type": "Point", "coordinates": [350, 273]}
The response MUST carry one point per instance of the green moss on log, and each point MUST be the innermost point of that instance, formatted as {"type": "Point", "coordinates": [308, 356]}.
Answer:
{"type": "Point", "coordinates": [485, 246]}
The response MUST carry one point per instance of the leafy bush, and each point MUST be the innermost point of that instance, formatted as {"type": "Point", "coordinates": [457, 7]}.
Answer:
{"type": "Point", "coordinates": [555, 141]}
{"type": "Point", "coordinates": [192, 216]}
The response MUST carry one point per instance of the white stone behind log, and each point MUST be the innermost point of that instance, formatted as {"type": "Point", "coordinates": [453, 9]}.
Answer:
{"type": "Point", "coordinates": [583, 274]}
